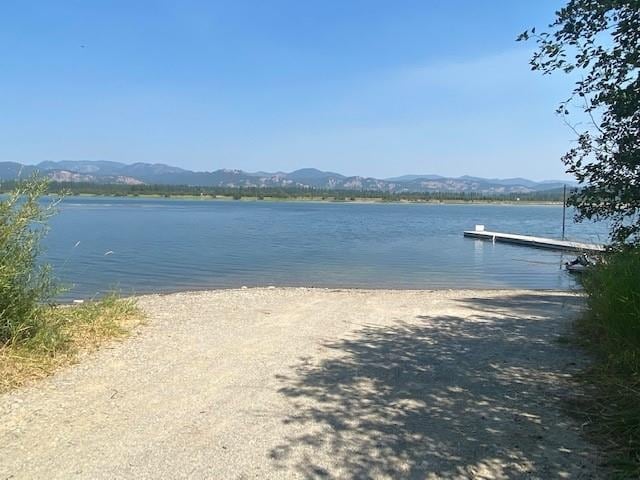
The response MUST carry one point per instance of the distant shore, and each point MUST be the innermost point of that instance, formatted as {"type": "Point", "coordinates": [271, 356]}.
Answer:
{"type": "Point", "coordinates": [298, 194]}
{"type": "Point", "coordinates": [320, 199]}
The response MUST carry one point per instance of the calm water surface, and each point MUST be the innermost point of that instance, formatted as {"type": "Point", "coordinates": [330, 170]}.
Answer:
{"type": "Point", "coordinates": [143, 245]}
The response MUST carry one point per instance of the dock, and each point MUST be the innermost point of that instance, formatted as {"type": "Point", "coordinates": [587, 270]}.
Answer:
{"type": "Point", "coordinates": [537, 242]}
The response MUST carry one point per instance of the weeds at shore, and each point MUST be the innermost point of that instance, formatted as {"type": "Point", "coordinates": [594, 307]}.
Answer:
{"type": "Point", "coordinates": [65, 333]}
{"type": "Point", "coordinates": [37, 337]}
{"type": "Point", "coordinates": [611, 330]}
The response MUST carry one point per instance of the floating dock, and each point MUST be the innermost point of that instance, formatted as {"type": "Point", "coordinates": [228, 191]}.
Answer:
{"type": "Point", "coordinates": [537, 242]}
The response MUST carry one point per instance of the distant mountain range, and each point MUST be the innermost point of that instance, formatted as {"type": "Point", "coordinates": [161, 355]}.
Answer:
{"type": "Point", "coordinates": [105, 172]}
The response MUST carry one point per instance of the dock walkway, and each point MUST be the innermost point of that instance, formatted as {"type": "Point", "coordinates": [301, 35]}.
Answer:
{"type": "Point", "coordinates": [538, 242]}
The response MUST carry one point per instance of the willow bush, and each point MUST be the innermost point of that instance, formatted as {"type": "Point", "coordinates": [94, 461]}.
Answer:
{"type": "Point", "coordinates": [26, 286]}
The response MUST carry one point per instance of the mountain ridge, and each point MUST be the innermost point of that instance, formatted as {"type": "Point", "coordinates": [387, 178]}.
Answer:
{"type": "Point", "coordinates": [106, 172]}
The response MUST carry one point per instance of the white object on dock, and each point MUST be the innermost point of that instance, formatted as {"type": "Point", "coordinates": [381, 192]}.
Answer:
{"type": "Point", "coordinates": [479, 228]}
{"type": "Point", "coordinates": [539, 242]}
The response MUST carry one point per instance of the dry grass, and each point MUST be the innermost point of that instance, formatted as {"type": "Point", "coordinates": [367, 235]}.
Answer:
{"type": "Point", "coordinates": [73, 330]}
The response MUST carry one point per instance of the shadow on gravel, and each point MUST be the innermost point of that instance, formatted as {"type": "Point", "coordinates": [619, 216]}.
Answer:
{"type": "Point", "coordinates": [440, 396]}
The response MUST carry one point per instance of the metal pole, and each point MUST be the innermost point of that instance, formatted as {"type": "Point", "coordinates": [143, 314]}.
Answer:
{"type": "Point", "coordinates": [564, 207]}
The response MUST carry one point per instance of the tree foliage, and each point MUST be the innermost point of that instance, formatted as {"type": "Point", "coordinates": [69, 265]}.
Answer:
{"type": "Point", "coordinates": [599, 41]}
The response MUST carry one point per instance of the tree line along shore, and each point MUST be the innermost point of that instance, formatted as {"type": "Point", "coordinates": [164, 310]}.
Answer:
{"type": "Point", "coordinates": [292, 193]}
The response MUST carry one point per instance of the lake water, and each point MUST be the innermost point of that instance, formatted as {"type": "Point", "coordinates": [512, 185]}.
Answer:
{"type": "Point", "coordinates": [158, 245]}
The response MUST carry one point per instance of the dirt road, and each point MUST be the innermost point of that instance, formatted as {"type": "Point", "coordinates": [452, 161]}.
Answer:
{"type": "Point", "coordinates": [306, 383]}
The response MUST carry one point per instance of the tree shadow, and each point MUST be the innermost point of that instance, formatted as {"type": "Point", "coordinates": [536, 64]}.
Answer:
{"type": "Point", "coordinates": [443, 396]}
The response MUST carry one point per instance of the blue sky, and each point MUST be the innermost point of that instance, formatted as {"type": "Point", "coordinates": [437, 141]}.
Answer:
{"type": "Point", "coordinates": [378, 88]}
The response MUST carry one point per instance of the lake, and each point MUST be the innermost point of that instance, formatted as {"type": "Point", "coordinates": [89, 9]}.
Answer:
{"type": "Point", "coordinates": [162, 245]}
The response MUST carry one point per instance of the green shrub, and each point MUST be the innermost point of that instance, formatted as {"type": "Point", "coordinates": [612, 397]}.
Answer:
{"type": "Point", "coordinates": [25, 285]}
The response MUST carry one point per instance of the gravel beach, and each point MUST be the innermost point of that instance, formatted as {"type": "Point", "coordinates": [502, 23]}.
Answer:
{"type": "Point", "coordinates": [313, 383]}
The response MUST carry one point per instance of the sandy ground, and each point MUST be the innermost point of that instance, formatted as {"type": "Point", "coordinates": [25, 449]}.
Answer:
{"type": "Point", "coordinates": [306, 383]}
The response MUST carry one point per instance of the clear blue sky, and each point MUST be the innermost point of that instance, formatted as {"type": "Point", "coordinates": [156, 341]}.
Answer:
{"type": "Point", "coordinates": [377, 88]}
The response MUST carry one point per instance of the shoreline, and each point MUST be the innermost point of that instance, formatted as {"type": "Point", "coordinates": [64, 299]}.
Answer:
{"type": "Point", "coordinates": [318, 200]}
{"type": "Point", "coordinates": [190, 290]}
{"type": "Point", "coordinates": [276, 288]}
